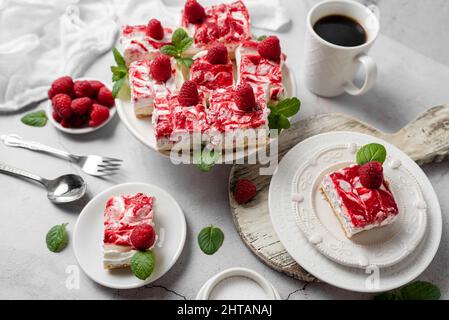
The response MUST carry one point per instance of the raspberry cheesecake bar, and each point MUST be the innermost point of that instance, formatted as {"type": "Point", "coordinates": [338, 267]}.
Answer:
{"type": "Point", "coordinates": [360, 197]}
{"type": "Point", "coordinates": [144, 42]}
{"type": "Point", "coordinates": [212, 69]}
{"type": "Point", "coordinates": [260, 63]}
{"type": "Point", "coordinates": [228, 24]}
{"type": "Point", "coordinates": [125, 218]}
{"type": "Point", "coordinates": [177, 117]}
{"type": "Point", "coordinates": [233, 111]}
{"type": "Point", "coordinates": [150, 79]}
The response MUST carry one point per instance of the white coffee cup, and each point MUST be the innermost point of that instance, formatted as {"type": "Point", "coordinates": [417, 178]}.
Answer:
{"type": "Point", "coordinates": [329, 68]}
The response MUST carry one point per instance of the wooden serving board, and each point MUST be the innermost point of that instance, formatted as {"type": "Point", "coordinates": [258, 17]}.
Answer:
{"type": "Point", "coordinates": [425, 140]}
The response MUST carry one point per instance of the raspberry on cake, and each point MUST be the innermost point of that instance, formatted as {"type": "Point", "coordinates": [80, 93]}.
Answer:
{"type": "Point", "coordinates": [122, 215]}
{"type": "Point", "coordinates": [173, 121]}
{"type": "Point", "coordinates": [138, 44]}
{"type": "Point", "coordinates": [258, 70]}
{"type": "Point", "coordinates": [144, 89]}
{"type": "Point", "coordinates": [211, 75]}
{"type": "Point", "coordinates": [228, 24]}
{"type": "Point", "coordinates": [358, 208]}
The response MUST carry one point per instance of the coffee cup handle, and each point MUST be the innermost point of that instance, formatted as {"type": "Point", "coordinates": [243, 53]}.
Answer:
{"type": "Point", "coordinates": [370, 77]}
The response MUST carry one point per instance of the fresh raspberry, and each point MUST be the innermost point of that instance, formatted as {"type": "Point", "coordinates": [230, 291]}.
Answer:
{"type": "Point", "coordinates": [56, 116]}
{"type": "Point", "coordinates": [81, 106]}
{"type": "Point", "coordinates": [194, 12]}
{"type": "Point", "coordinates": [270, 48]}
{"type": "Point", "coordinates": [188, 95]}
{"type": "Point", "coordinates": [77, 121]}
{"type": "Point", "coordinates": [82, 89]}
{"type": "Point", "coordinates": [155, 30]}
{"type": "Point", "coordinates": [62, 85]}
{"type": "Point", "coordinates": [244, 191]}
{"type": "Point", "coordinates": [96, 86]}
{"type": "Point", "coordinates": [105, 97]}
{"type": "Point", "coordinates": [143, 237]}
{"type": "Point", "coordinates": [244, 97]}
{"type": "Point", "coordinates": [66, 123]}
{"type": "Point", "coordinates": [98, 115]}
{"type": "Point", "coordinates": [371, 175]}
{"type": "Point", "coordinates": [61, 104]}
{"type": "Point", "coordinates": [51, 93]}
{"type": "Point", "coordinates": [217, 55]}
{"type": "Point", "coordinates": [160, 68]}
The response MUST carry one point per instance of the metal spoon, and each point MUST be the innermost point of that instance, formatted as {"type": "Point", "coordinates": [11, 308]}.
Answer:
{"type": "Point", "coordinates": [67, 188]}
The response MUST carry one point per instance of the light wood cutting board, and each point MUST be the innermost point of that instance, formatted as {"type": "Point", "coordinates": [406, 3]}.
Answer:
{"type": "Point", "coordinates": [425, 140]}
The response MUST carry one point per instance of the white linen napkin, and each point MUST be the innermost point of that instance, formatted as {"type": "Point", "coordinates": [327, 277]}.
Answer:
{"type": "Point", "coordinates": [41, 40]}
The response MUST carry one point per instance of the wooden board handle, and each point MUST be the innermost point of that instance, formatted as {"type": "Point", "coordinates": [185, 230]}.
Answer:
{"type": "Point", "coordinates": [426, 139]}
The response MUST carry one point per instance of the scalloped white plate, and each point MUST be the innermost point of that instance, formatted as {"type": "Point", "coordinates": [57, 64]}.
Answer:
{"type": "Point", "coordinates": [297, 244]}
{"type": "Point", "coordinates": [142, 129]}
{"type": "Point", "coordinates": [84, 130]}
{"type": "Point", "coordinates": [88, 236]}
{"type": "Point", "coordinates": [382, 247]}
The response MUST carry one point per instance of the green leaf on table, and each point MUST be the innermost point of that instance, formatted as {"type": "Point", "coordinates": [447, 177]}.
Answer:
{"type": "Point", "coordinates": [371, 152]}
{"type": "Point", "coordinates": [210, 239]}
{"type": "Point", "coordinates": [170, 50]}
{"type": "Point", "coordinates": [207, 159]}
{"type": "Point", "coordinates": [142, 264]}
{"type": "Point", "coordinates": [57, 238]}
{"type": "Point", "coordinates": [35, 119]}
{"type": "Point", "coordinates": [418, 290]}
{"type": "Point", "coordinates": [287, 107]}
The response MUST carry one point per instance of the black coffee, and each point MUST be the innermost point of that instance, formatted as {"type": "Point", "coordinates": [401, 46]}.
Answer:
{"type": "Point", "coordinates": [340, 30]}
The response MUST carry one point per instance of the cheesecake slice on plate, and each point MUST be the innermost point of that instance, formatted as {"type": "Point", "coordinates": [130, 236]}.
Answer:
{"type": "Point", "coordinates": [121, 216]}
{"type": "Point", "coordinates": [357, 207]}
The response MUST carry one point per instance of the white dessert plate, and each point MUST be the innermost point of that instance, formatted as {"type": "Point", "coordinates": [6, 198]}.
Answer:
{"type": "Point", "coordinates": [88, 236]}
{"type": "Point", "coordinates": [143, 129]}
{"type": "Point", "coordinates": [84, 130]}
{"type": "Point", "coordinates": [316, 240]}
{"type": "Point", "coordinates": [382, 247]}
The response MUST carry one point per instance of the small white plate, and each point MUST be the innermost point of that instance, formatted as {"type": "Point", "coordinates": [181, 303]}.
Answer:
{"type": "Point", "coordinates": [143, 130]}
{"type": "Point", "coordinates": [88, 236]}
{"type": "Point", "coordinates": [84, 130]}
{"type": "Point", "coordinates": [382, 247]}
{"type": "Point", "coordinates": [371, 279]}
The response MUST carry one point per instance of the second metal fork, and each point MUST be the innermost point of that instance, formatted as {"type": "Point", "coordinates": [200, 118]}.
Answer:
{"type": "Point", "coordinates": [93, 165]}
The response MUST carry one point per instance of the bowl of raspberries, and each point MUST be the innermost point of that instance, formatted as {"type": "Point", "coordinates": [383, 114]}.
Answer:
{"type": "Point", "coordinates": [79, 106]}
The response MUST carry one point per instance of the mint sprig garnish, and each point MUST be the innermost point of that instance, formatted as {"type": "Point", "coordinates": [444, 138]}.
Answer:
{"type": "Point", "coordinates": [261, 38]}
{"type": "Point", "coordinates": [207, 158]}
{"type": "Point", "coordinates": [35, 119]}
{"type": "Point", "coordinates": [142, 264]}
{"type": "Point", "coordinates": [210, 239]}
{"type": "Point", "coordinates": [278, 117]}
{"type": "Point", "coordinates": [57, 238]}
{"type": "Point", "coordinates": [180, 42]}
{"type": "Point", "coordinates": [418, 290]}
{"type": "Point", "coordinates": [119, 72]}
{"type": "Point", "coordinates": [371, 152]}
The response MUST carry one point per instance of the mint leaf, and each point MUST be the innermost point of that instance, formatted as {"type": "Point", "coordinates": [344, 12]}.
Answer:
{"type": "Point", "coordinates": [420, 290]}
{"type": "Point", "coordinates": [287, 107]}
{"type": "Point", "coordinates": [35, 119]}
{"type": "Point", "coordinates": [142, 264]}
{"type": "Point", "coordinates": [119, 59]}
{"type": "Point", "coordinates": [185, 61]}
{"type": "Point", "coordinates": [283, 122]}
{"type": "Point", "coordinates": [178, 36]}
{"type": "Point", "coordinates": [185, 44]}
{"type": "Point", "coordinates": [57, 238]}
{"type": "Point", "coordinates": [170, 50]}
{"type": "Point", "coordinates": [261, 38]}
{"type": "Point", "coordinates": [207, 160]}
{"type": "Point", "coordinates": [210, 239]}
{"type": "Point", "coordinates": [117, 86]}
{"type": "Point", "coordinates": [371, 152]}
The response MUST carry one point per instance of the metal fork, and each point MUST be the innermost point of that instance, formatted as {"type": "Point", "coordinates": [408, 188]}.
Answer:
{"type": "Point", "coordinates": [93, 165]}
